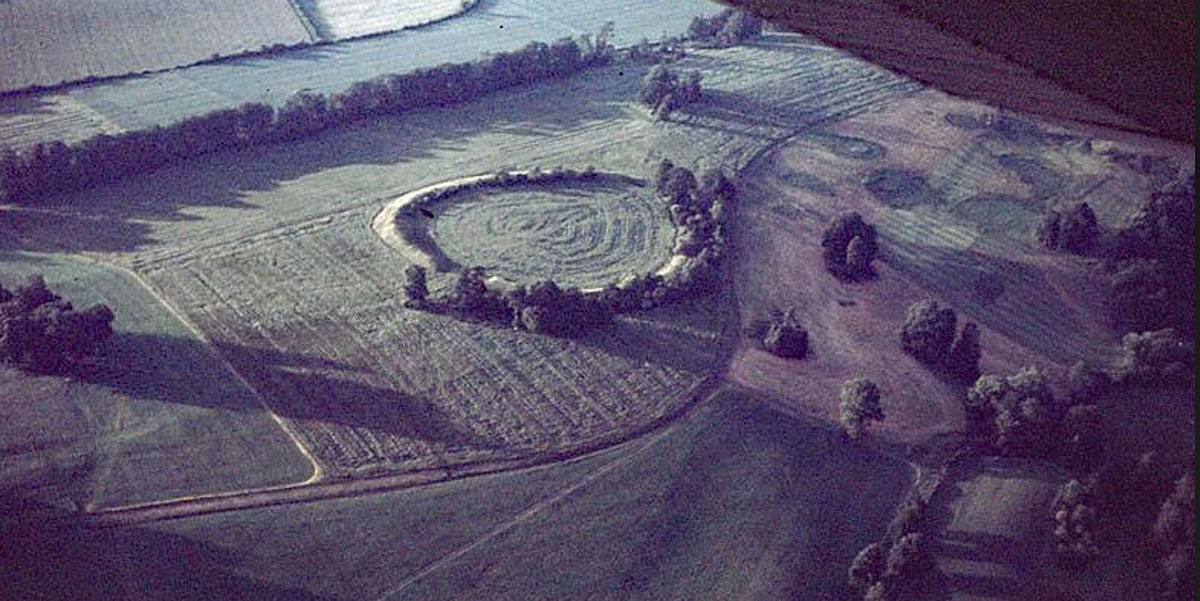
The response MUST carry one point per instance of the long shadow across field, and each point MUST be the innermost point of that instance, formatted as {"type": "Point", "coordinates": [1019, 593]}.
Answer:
{"type": "Point", "coordinates": [736, 500]}
{"type": "Point", "coordinates": [113, 218]}
{"type": "Point", "coordinates": [53, 557]}
{"type": "Point", "coordinates": [144, 366]}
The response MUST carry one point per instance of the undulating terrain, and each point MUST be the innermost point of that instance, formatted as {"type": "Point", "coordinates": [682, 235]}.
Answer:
{"type": "Point", "coordinates": [272, 420]}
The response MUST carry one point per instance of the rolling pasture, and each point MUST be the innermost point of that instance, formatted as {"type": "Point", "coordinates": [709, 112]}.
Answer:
{"type": "Point", "coordinates": [735, 500]}
{"type": "Point", "coordinates": [45, 42]}
{"type": "Point", "coordinates": [345, 19]}
{"type": "Point", "coordinates": [164, 98]}
{"type": "Point", "coordinates": [156, 417]}
{"type": "Point", "coordinates": [270, 253]}
{"type": "Point", "coordinates": [580, 234]}
{"type": "Point", "coordinates": [955, 208]}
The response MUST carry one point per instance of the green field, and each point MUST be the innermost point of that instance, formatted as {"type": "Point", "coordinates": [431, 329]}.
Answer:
{"type": "Point", "coordinates": [156, 417]}
{"type": "Point", "coordinates": [735, 501]}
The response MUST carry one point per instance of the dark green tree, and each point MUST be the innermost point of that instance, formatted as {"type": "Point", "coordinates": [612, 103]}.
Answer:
{"type": "Point", "coordinates": [785, 337]}
{"type": "Point", "coordinates": [859, 404]}
{"type": "Point", "coordinates": [928, 331]}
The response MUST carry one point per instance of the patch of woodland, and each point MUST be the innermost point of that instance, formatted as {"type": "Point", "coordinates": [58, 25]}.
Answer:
{"type": "Point", "coordinates": [701, 210]}
{"type": "Point", "coordinates": [1139, 508]}
{"type": "Point", "coordinates": [1152, 263]}
{"type": "Point", "coordinates": [53, 167]}
{"type": "Point", "coordinates": [43, 333]}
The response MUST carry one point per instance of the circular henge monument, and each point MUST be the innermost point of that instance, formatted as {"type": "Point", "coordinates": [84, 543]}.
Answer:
{"type": "Point", "coordinates": [579, 229]}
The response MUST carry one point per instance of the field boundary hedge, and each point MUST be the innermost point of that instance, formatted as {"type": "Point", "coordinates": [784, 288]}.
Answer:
{"type": "Point", "coordinates": [54, 167]}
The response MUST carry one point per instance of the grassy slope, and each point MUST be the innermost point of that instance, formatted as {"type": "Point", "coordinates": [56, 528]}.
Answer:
{"type": "Point", "coordinates": [157, 417]}
{"type": "Point", "coordinates": [970, 229]}
{"type": "Point", "coordinates": [45, 43]}
{"type": "Point", "coordinates": [734, 502]}
{"type": "Point", "coordinates": [268, 251]}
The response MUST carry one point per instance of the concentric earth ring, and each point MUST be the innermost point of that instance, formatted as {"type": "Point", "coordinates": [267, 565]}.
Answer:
{"type": "Point", "coordinates": [575, 232]}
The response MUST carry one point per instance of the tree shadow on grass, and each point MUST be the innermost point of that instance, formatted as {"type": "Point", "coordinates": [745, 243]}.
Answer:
{"type": "Point", "coordinates": [114, 218]}
{"type": "Point", "coordinates": [49, 555]}
{"type": "Point", "coordinates": [182, 371]}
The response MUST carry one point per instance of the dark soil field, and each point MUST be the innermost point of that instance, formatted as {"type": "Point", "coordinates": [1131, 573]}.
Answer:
{"type": "Point", "coordinates": [734, 501]}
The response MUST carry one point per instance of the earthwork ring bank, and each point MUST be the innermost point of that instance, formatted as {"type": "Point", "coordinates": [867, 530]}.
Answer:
{"type": "Point", "coordinates": [583, 229]}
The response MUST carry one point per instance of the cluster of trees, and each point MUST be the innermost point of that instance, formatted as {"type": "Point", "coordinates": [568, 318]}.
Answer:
{"type": "Point", "coordinates": [1019, 415]}
{"type": "Point", "coordinates": [1131, 502]}
{"type": "Point", "coordinates": [928, 334]}
{"type": "Point", "coordinates": [1075, 230]}
{"type": "Point", "coordinates": [726, 28]}
{"type": "Point", "coordinates": [1152, 263]}
{"type": "Point", "coordinates": [849, 245]}
{"type": "Point", "coordinates": [664, 91]}
{"type": "Point", "coordinates": [1075, 524]}
{"type": "Point", "coordinates": [542, 307]}
{"type": "Point", "coordinates": [55, 166]}
{"type": "Point", "coordinates": [1156, 358]}
{"type": "Point", "coordinates": [858, 405]}
{"type": "Point", "coordinates": [702, 211]}
{"type": "Point", "coordinates": [41, 332]}
{"type": "Point", "coordinates": [785, 336]}
{"type": "Point", "coordinates": [898, 567]}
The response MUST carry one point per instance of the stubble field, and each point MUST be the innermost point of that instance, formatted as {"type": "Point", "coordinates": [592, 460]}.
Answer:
{"type": "Point", "coordinates": [157, 417]}
{"type": "Point", "coordinates": [43, 42]}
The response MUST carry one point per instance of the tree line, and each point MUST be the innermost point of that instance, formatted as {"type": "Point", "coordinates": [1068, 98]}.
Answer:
{"type": "Point", "coordinates": [53, 167]}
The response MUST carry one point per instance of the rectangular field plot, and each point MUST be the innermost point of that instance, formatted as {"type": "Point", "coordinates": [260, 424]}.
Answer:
{"type": "Point", "coordinates": [46, 42]}
{"type": "Point", "coordinates": [157, 416]}
{"type": "Point", "coordinates": [495, 26]}
{"type": "Point", "coordinates": [313, 316]}
{"type": "Point", "coordinates": [341, 19]}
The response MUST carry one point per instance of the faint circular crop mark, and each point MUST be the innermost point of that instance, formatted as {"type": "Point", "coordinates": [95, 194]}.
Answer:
{"type": "Point", "coordinates": [577, 232]}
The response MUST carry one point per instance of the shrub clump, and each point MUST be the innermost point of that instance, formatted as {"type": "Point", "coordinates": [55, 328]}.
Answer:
{"type": "Point", "coordinates": [1075, 524]}
{"type": "Point", "coordinates": [1075, 230]}
{"type": "Point", "coordinates": [850, 245]}
{"type": "Point", "coordinates": [928, 334]}
{"type": "Point", "coordinates": [41, 332]}
{"type": "Point", "coordinates": [858, 405]}
{"type": "Point", "coordinates": [664, 91]}
{"type": "Point", "coordinates": [785, 337]}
